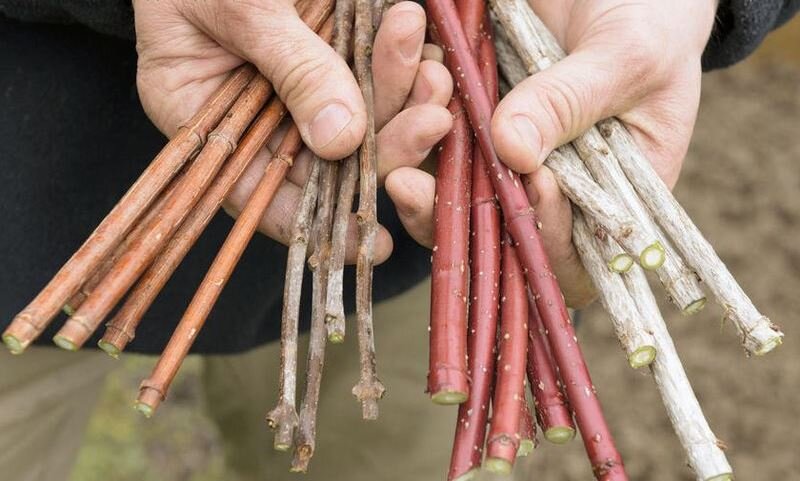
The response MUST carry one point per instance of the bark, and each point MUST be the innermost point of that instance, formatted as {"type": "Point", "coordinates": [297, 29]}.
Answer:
{"type": "Point", "coordinates": [628, 322]}
{"type": "Point", "coordinates": [131, 265]}
{"type": "Point", "coordinates": [283, 418]}
{"type": "Point", "coordinates": [35, 317]}
{"type": "Point", "coordinates": [508, 402]}
{"type": "Point", "coordinates": [470, 435]}
{"type": "Point", "coordinates": [122, 327]}
{"type": "Point", "coordinates": [759, 335]}
{"type": "Point", "coordinates": [552, 411]}
{"type": "Point", "coordinates": [703, 449]}
{"type": "Point", "coordinates": [448, 382]}
{"type": "Point", "coordinates": [369, 389]}
{"type": "Point", "coordinates": [305, 439]}
{"type": "Point", "coordinates": [154, 389]}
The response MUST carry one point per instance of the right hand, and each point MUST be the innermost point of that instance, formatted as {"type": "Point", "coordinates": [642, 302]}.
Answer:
{"type": "Point", "coordinates": [188, 47]}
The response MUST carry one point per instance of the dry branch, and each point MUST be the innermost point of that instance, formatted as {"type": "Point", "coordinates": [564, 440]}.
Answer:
{"type": "Point", "coordinates": [369, 389]}
{"type": "Point", "coordinates": [629, 326]}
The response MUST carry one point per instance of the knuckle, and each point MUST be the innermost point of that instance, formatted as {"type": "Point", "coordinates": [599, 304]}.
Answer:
{"type": "Point", "coordinates": [300, 79]}
{"type": "Point", "coordinates": [561, 101]}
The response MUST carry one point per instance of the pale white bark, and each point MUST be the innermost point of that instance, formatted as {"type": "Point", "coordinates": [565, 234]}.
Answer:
{"type": "Point", "coordinates": [629, 327]}
{"type": "Point", "coordinates": [759, 335]}
{"type": "Point", "coordinates": [701, 445]}
{"type": "Point", "coordinates": [537, 49]}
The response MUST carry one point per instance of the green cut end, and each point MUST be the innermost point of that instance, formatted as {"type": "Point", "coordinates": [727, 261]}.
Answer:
{"type": "Point", "coordinates": [653, 256]}
{"type": "Point", "coordinates": [13, 344]}
{"type": "Point", "coordinates": [722, 477]}
{"type": "Point", "coordinates": [497, 466]}
{"type": "Point", "coordinates": [621, 263]}
{"type": "Point", "coordinates": [559, 434]}
{"type": "Point", "coordinates": [68, 310]}
{"type": "Point", "coordinates": [336, 338]}
{"type": "Point", "coordinates": [643, 356]}
{"type": "Point", "coordinates": [145, 409]}
{"type": "Point", "coordinates": [695, 307]}
{"type": "Point", "coordinates": [526, 447]}
{"type": "Point", "coordinates": [282, 447]}
{"type": "Point", "coordinates": [65, 343]}
{"type": "Point", "coordinates": [447, 398]}
{"type": "Point", "coordinates": [468, 476]}
{"type": "Point", "coordinates": [109, 348]}
{"type": "Point", "coordinates": [769, 345]}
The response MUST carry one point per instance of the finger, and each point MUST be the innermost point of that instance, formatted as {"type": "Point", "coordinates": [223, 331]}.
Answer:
{"type": "Point", "coordinates": [412, 192]}
{"type": "Point", "coordinates": [433, 85]}
{"type": "Point", "coordinates": [554, 106]}
{"type": "Point", "coordinates": [555, 214]}
{"type": "Point", "coordinates": [433, 52]}
{"type": "Point", "coordinates": [315, 83]}
{"type": "Point", "coordinates": [409, 137]}
{"type": "Point", "coordinates": [396, 55]}
{"type": "Point", "coordinates": [278, 220]}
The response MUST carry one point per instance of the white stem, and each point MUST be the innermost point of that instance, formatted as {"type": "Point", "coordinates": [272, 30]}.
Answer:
{"type": "Point", "coordinates": [758, 334]}
{"type": "Point", "coordinates": [538, 50]}
{"type": "Point", "coordinates": [628, 323]}
{"type": "Point", "coordinates": [701, 445]}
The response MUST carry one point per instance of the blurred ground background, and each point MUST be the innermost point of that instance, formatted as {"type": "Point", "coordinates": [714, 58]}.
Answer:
{"type": "Point", "coordinates": [741, 184]}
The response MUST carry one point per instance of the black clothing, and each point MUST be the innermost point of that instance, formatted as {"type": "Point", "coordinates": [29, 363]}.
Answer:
{"type": "Point", "coordinates": [73, 138]}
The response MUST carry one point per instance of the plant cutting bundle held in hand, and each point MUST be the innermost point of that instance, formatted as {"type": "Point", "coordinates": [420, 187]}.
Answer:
{"type": "Point", "coordinates": [502, 345]}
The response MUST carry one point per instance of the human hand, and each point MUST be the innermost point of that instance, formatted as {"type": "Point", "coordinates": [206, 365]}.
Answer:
{"type": "Point", "coordinates": [637, 60]}
{"type": "Point", "coordinates": [188, 47]}
{"type": "Point", "coordinates": [412, 88]}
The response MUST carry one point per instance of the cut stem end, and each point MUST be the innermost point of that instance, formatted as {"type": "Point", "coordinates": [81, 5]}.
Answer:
{"type": "Point", "coordinates": [468, 476]}
{"type": "Point", "coordinates": [722, 477]}
{"type": "Point", "coordinates": [621, 263]}
{"type": "Point", "coordinates": [497, 466]}
{"type": "Point", "coordinates": [146, 409]}
{"type": "Point", "coordinates": [644, 356]}
{"type": "Point", "coordinates": [526, 447]}
{"type": "Point", "coordinates": [64, 343]}
{"type": "Point", "coordinates": [652, 257]}
{"type": "Point", "coordinates": [695, 307]}
{"type": "Point", "coordinates": [560, 434]}
{"type": "Point", "coordinates": [109, 348]}
{"type": "Point", "coordinates": [14, 345]}
{"type": "Point", "coordinates": [447, 398]}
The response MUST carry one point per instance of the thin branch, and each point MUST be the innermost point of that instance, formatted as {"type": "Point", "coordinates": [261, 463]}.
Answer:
{"type": "Point", "coordinates": [369, 388]}
{"type": "Point", "coordinates": [629, 326]}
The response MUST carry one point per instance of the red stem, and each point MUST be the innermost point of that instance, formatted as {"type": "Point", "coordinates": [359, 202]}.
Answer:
{"type": "Point", "coordinates": [509, 390]}
{"type": "Point", "coordinates": [527, 429]}
{"type": "Point", "coordinates": [447, 376]}
{"type": "Point", "coordinates": [470, 435]}
{"type": "Point", "coordinates": [552, 411]}
{"type": "Point", "coordinates": [522, 224]}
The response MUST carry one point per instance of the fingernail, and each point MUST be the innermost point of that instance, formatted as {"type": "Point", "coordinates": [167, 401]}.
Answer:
{"type": "Point", "coordinates": [411, 45]}
{"type": "Point", "coordinates": [529, 136]}
{"type": "Point", "coordinates": [329, 122]}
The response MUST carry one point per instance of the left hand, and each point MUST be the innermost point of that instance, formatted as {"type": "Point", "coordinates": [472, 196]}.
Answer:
{"type": "Point", "coordinates": [637, 60]}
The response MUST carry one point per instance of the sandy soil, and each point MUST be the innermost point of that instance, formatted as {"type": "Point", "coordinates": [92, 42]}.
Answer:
{"type": "Point", "coordinates": [741, 184]}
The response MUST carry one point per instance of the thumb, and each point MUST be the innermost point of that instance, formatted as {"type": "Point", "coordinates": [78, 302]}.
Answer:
{"type": "Point", "coordinates": [314, 82]}
{"type": "Point", "coordinates": [556, 105]}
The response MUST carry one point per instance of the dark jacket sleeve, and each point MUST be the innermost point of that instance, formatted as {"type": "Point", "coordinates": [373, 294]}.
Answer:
{"type": "Point", "coordinates": [111, 17]}
{"type": "Point", "coordinates": [741, 27]}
